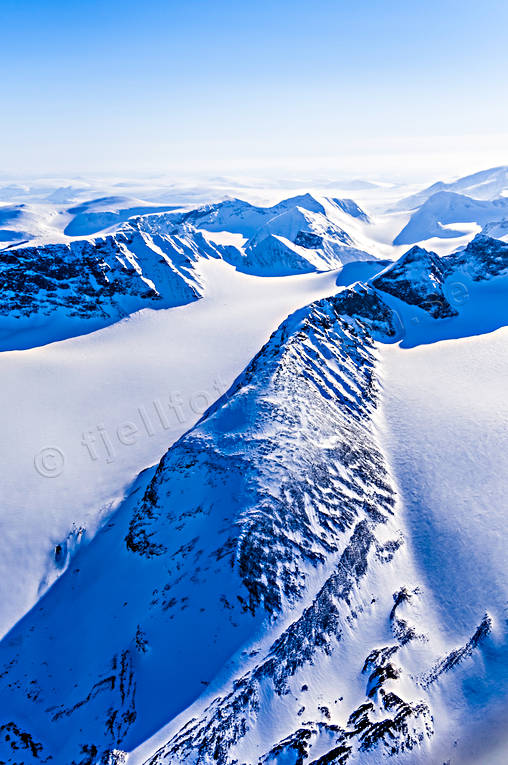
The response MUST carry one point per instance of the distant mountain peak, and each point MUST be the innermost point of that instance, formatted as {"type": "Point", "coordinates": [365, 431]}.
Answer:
{"type": "Point", "coordinates": [485, 184]}
{"type": "Point", "coordinates": [442, 213]}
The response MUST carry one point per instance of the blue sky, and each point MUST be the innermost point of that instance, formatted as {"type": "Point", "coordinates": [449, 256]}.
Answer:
{"type": "Point", "coordinates": [224, 86]}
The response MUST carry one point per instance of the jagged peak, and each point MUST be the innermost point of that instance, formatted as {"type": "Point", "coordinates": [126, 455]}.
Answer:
{"type": "Point", "coordinates": [426, 260]}
{"type": "Point", "coordinates": [417, 278]}
{"type": "Point", "coordinates": [483, 258]}
{"type": "Point", "coordinates": [417, 253]}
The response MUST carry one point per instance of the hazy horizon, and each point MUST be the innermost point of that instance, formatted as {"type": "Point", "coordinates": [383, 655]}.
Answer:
{"type": "Point", "coordinates": [373, 90]}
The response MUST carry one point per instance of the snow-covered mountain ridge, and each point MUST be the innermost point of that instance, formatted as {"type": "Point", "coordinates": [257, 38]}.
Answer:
{"type": "Point", "coordinates": [267, 572]}
{"type": "Point", "coordinates": [61, 290]}
{"type": "Point", "coordinates": [486, 184]}
{"type": "Point", "coordinates": [153, 261]}
{"type": "Point", "coordinates": [89, 278]}
{"type": "Point", "coordinates": [228, 549]}
{"type": "Point", "coordinates": [299, 235]}
{"type": "Point", "coordinates": [439, 287]}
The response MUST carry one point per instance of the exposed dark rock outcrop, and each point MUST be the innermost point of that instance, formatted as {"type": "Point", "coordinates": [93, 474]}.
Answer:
{"type": "Point", "coordinates": [105, 278]}
{"type": "Point", "coordinates": [458, 655]}
{"type": "Point", "coordinates": [483, 258]}
{"type": "Point", "coordinates": [417, 278]}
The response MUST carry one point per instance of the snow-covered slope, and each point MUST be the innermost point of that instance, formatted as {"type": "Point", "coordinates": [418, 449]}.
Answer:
{"type": "Point", "coordinates": [25, 221]}
{"type": "Point", "coordinates": [446, 403]}
{"type": "Point", "coordinates": [260, 596]}
{"type": "Point", "coordinates": [441, 216]}
{"type": "Point", "coordinates": [312, 241]}
{"type": "Point", "coordinates": [487, 184]}
{"type": "Point", "coordinates": [467, 286]}
{"type": "Point", "coordinates": [242, 217]}
{"type": "Point", "coordinates": [204, 545]}
{"type": "Point", "coordinates": [50, 219]}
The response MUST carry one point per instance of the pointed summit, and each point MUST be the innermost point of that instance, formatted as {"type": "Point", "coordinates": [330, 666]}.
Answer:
{"type": "Point", "coordinates": [417, 278]}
